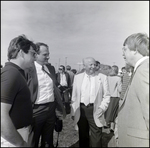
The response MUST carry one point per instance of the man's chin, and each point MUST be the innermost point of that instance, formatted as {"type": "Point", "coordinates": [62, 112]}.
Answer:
{"type": "Point", "coordinates": [46, 62]}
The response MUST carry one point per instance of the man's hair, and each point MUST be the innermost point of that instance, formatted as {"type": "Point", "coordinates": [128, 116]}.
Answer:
{"type": "Point", "coordinates": [106, 67]}
{"type": "Point", "coordinates": [68, 67]}
{"type": "Point", "coordinates": [97, 62]}
{"type": "Point", "coordinates": [62, 67]}
{"type": "Point", "coordinates": [123, 68]}
{"type": "Point", "coordinates": [39, 44]}
{"type": "Point", "coordinates": [115, 68]}
{"type": "Point", "coordinates": [138, 42]}
{"type": "Point", "coordinates": [17, 44]}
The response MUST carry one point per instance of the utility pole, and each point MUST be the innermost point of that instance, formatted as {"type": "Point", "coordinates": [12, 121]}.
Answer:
{"type": "Point", "coordinates": [59, 62]}
{"type": "Point", "coordinates": [65, 61]}
{"type": "Point", "coordinates": [56, 66]}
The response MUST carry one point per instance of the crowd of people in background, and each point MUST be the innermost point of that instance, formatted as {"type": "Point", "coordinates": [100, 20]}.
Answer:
{"type": "Point", "coordinates": [34, 95]}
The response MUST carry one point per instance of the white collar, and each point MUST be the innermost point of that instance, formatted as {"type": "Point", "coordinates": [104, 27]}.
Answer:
{"type": "Point", "coordinates": [139, 62]}
{"type": "Point", "coordinates": [37, 65]}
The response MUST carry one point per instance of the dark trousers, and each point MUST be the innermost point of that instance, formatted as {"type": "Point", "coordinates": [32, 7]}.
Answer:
{"type": "Point", "coordinates": [43, 125]}
{"type": "Point", "coordinates": [112, 110]}
{"type": "Point", "coordinates": [89, 134]}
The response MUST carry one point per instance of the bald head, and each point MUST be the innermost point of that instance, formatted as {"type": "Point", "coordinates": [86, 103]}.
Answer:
{"type": "Point", "coordinates": [87, 60]}
{"type": "Point", "coordinates": [89, 64]}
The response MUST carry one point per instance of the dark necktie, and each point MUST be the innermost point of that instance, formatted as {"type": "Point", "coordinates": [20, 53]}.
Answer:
{"type": "Point", "coordinates": [56, 92]}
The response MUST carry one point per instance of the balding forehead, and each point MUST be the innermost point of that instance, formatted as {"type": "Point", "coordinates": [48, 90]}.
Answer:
{"type": "Point", "coordinates": [88, 59]}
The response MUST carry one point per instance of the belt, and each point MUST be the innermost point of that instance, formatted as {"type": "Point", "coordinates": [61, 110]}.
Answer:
{"type": "Point", "coordinates": [90, 104]}
{"type": "Point", "coordinates": [44, 104]}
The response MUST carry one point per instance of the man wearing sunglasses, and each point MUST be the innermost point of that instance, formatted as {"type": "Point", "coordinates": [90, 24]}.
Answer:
{"type": "Point", "coordinates": [64, 81]}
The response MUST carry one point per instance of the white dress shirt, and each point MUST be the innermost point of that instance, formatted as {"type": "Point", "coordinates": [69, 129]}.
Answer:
{"type": "Point", "coordinates": [45, 86]}
{"type": "Point", "coordinates": [63, 80]}
{"type": "Point", "coordinates": [84, 91]}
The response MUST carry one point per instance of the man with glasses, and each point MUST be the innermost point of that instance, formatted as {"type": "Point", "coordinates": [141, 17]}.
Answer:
{"type": "Point", "coordinates": [64, 81]}
{"type": "Point", "coordinates": [133, 117]}
{"type": "Point", "coordinates": [16, 107]}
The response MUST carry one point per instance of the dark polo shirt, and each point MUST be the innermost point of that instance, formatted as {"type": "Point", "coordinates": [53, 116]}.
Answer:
{"type": "Point", "coordinates": [14, 91]}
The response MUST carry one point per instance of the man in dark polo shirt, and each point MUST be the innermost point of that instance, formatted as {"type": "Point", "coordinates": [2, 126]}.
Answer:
{"type": "Point", "coordinates": [16, 107]}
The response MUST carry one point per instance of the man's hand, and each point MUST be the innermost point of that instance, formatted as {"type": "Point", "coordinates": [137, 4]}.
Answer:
{"type": "Point", "coordinates": [72, 117]}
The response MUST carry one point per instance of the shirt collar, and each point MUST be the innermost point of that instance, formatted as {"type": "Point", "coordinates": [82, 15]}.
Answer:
{"type": "Point", "coordinates": [139, 62]}
{"type": "Point", "coordinates": [37, 65]}
{"type": "Point", "coordinates": [89, 75]}
{"type": "Point", "coordinates": [15, 66]}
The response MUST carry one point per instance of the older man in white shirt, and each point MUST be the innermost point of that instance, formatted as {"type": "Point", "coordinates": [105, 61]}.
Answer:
{"type": "Point", "coordinates": [90, 99]}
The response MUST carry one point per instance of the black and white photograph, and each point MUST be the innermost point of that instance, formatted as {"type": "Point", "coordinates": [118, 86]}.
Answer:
{"type": "Point", "coordinates": [74, 73]}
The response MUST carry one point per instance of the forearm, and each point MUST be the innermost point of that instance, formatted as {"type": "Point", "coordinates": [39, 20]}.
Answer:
{"type": "Point", "coordinates": [9, 132]}
{"type": "Point", "coordinates": [106, 96]}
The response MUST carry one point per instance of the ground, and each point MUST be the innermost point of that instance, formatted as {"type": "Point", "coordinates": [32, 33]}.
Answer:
{"type": "Point", "coordinates": [68, 137]}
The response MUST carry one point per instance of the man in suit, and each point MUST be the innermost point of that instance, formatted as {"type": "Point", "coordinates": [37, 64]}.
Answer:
{"type": "Point", "coordinates": [71, 74]}
{"type": "Point", "coordinates": [45, 98]}
{"type": "Point", "coordinates": [90, 99]}
{"type": "Point", "coordinates": [133, 117]}
{"type": "Point", "coordinates": [64, 81]}
{"type": "Point", "coordinates": [115, 87]}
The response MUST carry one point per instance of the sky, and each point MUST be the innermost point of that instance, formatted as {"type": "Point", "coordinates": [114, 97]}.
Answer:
{"type": "Point", "coordinates": [74, 30]}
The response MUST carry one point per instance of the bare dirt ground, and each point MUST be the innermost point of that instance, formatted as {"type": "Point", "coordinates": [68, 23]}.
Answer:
{"type": "Point", "coordinates": [68, 137]}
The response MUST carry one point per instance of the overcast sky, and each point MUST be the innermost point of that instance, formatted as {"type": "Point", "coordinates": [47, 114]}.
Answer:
{"type": "Point", "coordinates": [74, 30]}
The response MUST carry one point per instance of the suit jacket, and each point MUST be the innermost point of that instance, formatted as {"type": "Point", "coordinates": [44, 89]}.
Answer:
{"type": "Point", "coordinates": [102, 98]}
{"type": "Point", "coordinates": [67, 78]}
{"type": "Point", "coordinates": [115, 86]}
{"type": "Point", "coordinates": [133, 117]}
{"type": "Point", "coordinates": [32, 82]}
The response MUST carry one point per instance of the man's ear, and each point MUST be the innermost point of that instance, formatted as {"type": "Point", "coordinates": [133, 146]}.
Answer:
{"type": "Point", "coordinates": [135, 51]}
{"type": "Point", "coordinates": [21, 53]}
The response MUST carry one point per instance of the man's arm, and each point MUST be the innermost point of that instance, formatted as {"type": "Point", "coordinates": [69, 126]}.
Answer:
{"type": "Point", "coordinates": [8, 130]}
{"type": "Point", "coordinates": [120, 85]}
{"type": "Point", "coordinates": [106, 97]}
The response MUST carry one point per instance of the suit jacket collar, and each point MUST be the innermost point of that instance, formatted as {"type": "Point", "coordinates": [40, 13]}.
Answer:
{"type": "Point", "coordinates": [139, 62]}
{"type": "Point", "coordinates": [124, 98]}
{"type": "Point", "coordinates": [97, 83]}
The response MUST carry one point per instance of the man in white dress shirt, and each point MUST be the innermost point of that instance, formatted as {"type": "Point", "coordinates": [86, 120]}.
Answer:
{"type": "Point", "coordinates": [90, 99]}
{"type": "Point", "coordinates": [42, 83]}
